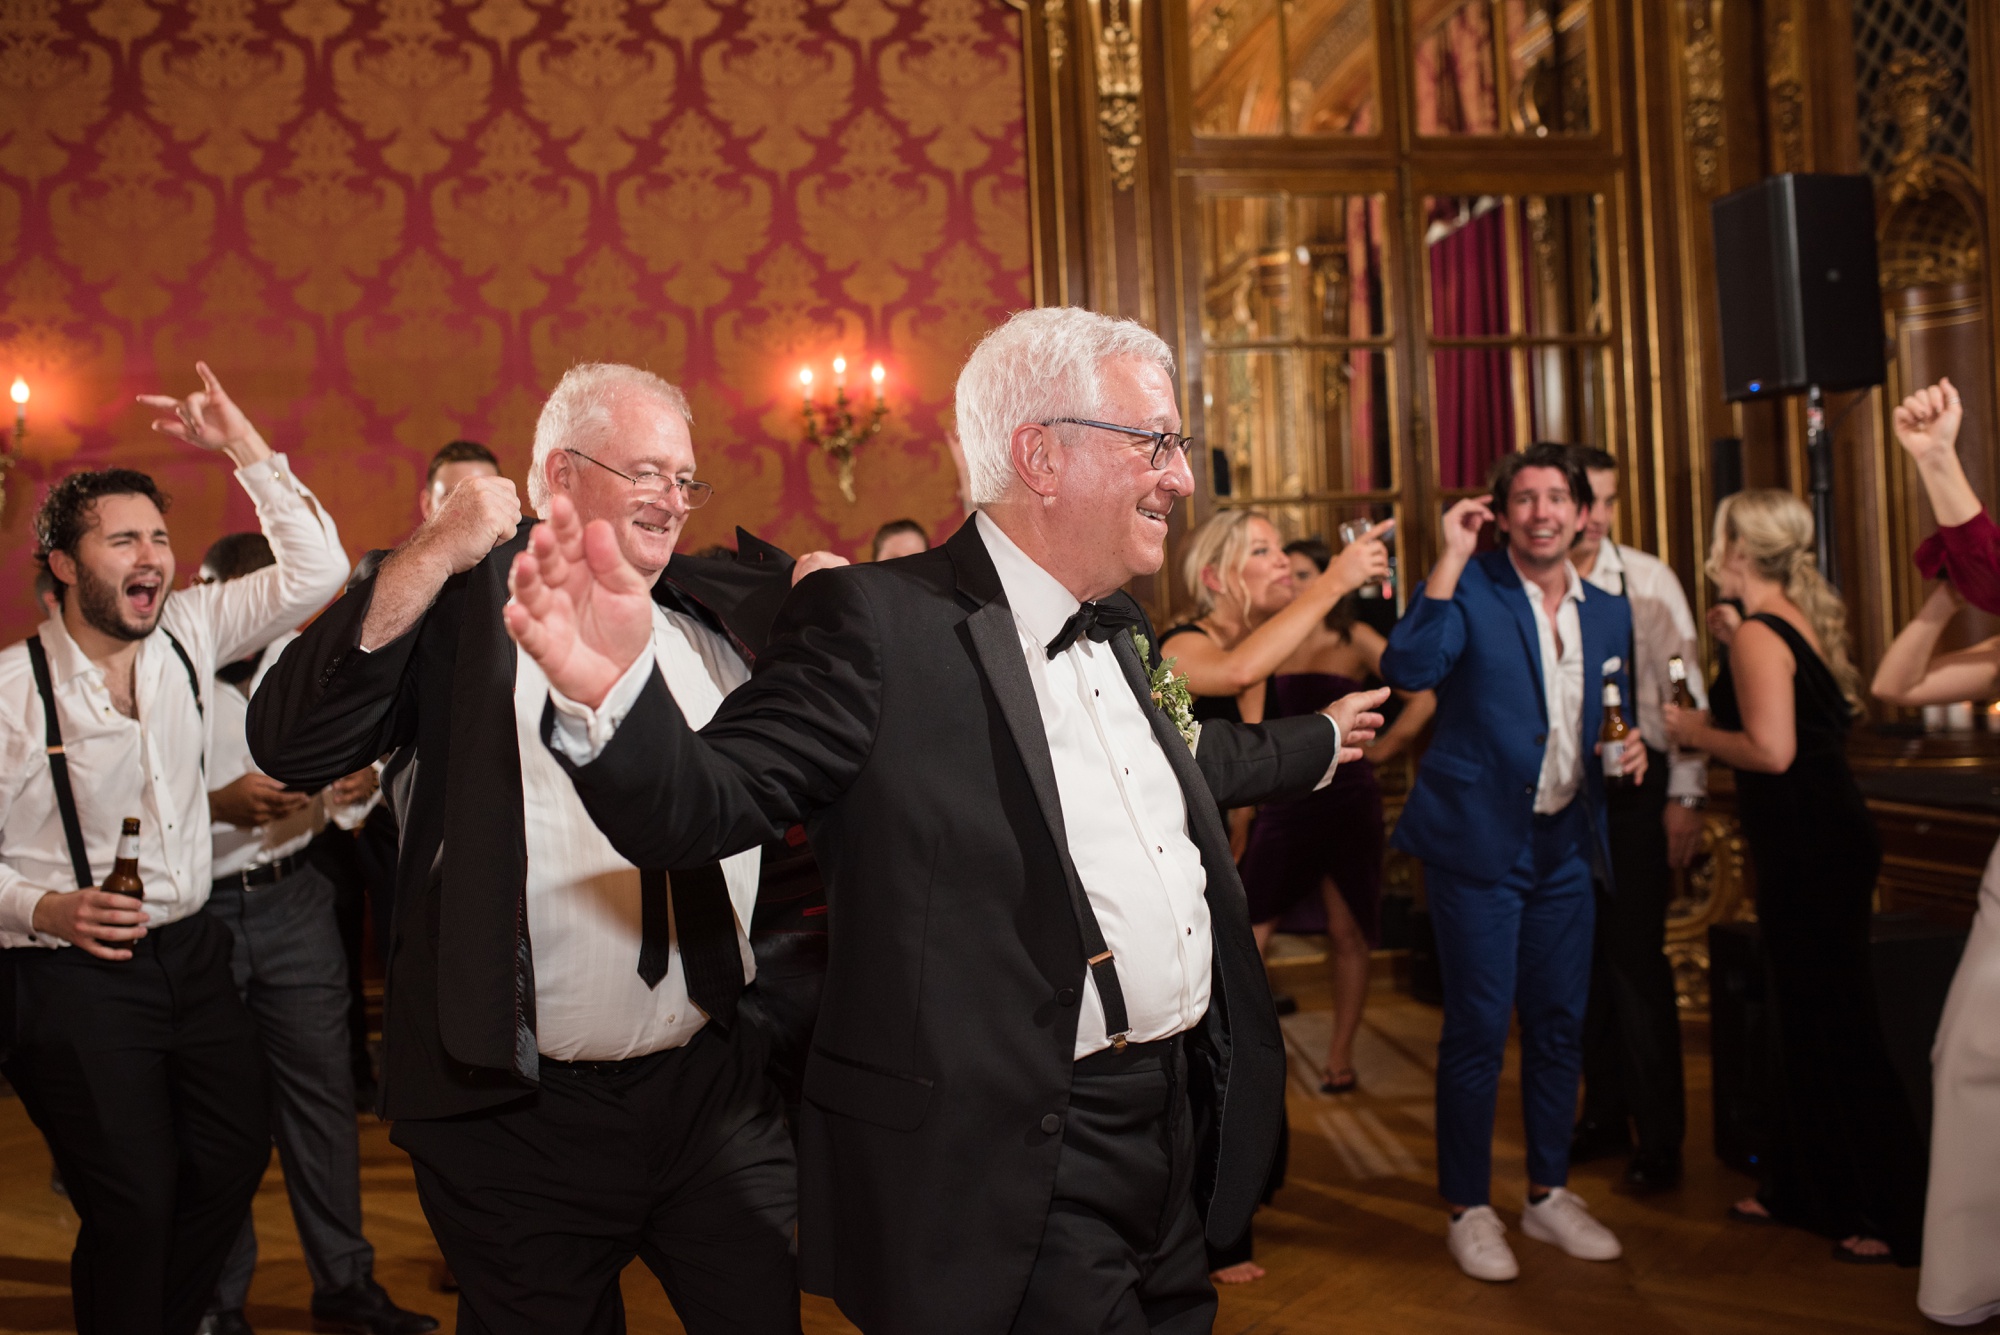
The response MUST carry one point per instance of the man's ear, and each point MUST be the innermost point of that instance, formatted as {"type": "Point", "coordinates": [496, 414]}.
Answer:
{"type": "Point", "coordinates": [559, 471]}
{"type": "Point", "coordinates": [1037, 458]}
{"type": "Point", "coordinates": [63, 566]}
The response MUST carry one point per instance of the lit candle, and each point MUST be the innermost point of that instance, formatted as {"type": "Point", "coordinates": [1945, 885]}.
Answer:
{"type": "Point", "coordinates": [806, 382]}
{"type": "Point", "coordinates": [840, 372]}
{"type": "Point", "coordinates": [877, 375]}
{"type": "Point", "coordinates": [19, 393]}
{"type": "Point", "coordinates": [1993, 717]}
{"type": "Point", "coordinates": [1958, 716]}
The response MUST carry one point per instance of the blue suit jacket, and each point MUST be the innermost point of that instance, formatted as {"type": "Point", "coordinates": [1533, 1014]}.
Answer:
{"type": "Point", "coordinates": [1472, 807]}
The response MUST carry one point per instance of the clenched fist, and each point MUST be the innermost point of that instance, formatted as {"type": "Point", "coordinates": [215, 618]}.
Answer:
{"type": "Point", "coordinates": [478, 515]}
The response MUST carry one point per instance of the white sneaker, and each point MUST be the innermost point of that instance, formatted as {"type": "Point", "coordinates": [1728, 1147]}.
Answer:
{"type": "Point", "coordinates": [1563, 1218]}
{"type": "Point", "coordinates": [1477, 1244]}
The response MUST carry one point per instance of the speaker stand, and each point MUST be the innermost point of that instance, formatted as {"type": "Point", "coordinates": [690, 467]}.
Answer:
{"type": "Point", "coordinates": [1819, 457]}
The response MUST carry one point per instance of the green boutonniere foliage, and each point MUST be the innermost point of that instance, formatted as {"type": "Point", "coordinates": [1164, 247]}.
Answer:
{"type": "Point", "coordinates": [1170, 692]}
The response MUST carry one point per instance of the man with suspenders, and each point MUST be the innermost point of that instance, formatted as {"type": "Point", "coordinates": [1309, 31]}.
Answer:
{"type": "Point", "coordinates": [129, 1045]}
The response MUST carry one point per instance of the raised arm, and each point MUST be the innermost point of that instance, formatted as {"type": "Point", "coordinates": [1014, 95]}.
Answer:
{"type": "Point", "coordinates": [1913, 673]}
{"type": "Point", "coordinates": [246, 614]}
{"type": "Point", "coordinates": [1927, 425]}
{"type": "Point", "coordinates": [784, 745]}
{"type": "Point", "coordinates": [1424, 646]}
{"type": "Point", "coordinates": [1213, 670]}
{"type": "Point", "coordinates": [1418, 706]}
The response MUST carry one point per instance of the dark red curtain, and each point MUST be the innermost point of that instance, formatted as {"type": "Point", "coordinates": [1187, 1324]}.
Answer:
{"type": "Point", "coordinates": [1475, 402]}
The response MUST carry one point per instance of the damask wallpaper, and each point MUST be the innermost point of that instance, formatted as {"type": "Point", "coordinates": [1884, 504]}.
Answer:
{"type": "Point", "coordinates": [389, 225]}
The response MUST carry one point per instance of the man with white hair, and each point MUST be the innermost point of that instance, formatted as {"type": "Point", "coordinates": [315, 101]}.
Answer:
{"type": "Point", "coordinates": [565, 1059]}
{"type": "Point", "coordinates": [1041, 983]}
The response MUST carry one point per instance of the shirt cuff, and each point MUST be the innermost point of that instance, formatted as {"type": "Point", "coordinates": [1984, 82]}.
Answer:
{"type": "Point", "coordinates": [269, 478]}
{"type": "Point", "coordinates": [17, 915]}
{"type": "Point", "coordinates": [581, 733]}
{"type": "Point", "coordinates": [1333, 764]}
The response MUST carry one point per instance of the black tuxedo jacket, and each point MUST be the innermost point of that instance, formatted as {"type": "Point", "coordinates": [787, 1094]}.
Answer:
{"type": "Point", "coordinates": [459, 1007]}
{"type": "Point", "coordinates": [894, 714]}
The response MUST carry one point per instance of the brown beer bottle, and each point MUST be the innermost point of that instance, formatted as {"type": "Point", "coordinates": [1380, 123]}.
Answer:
{"type": "Point", "coordinates": [1677, 676]}
{"type": "Point", "coordinates": [124, 877]}
{"type": "Point", "coordinates": [1611, 740]}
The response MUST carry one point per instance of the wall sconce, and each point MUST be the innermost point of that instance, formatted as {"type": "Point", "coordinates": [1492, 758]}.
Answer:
{"type": "Point", "coordinates": [840, 435]}
{"type": "Point", "coordinates": [19, 393]}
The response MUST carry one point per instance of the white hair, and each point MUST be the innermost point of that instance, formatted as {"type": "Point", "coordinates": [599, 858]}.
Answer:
{"type": "Point", "coordinates": [578, 415]}
{"type": "Point", "coordinates": [1041, 364]}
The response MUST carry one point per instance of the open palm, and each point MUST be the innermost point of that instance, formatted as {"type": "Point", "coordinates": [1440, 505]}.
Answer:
{"type": "Point", "coordinates": [579, 608]}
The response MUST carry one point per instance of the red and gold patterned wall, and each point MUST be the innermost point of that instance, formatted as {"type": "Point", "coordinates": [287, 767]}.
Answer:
{"type": "Point", "coordinates": [389, 225]}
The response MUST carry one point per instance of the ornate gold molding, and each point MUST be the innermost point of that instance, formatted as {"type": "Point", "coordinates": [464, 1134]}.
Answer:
{"type": "Point", "coordinates": [1907, 97]}
{"type": "Point", "coordinates": [1701, 117]}
{"type": "Point", "coordinates": [1785, 85]}
{"type": "Point", "coordinates": [1118, 89]}
{"type": "Point", "coordinates": [1055, 22]}
{"type": "Point", "coordinates": [1713, 892]}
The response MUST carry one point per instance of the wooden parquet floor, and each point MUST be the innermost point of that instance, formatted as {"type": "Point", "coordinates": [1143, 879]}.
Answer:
{"type": "Point", "coordinates": [1354, 1242]}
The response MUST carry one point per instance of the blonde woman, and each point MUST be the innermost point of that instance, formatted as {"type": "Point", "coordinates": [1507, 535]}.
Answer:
{"type": "Point", "coordinates": [1847, 1161]}
{"type": "Point", "coordinates": [1249, 617]}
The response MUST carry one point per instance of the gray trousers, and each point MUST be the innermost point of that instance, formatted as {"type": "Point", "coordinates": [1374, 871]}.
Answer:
{"type": "Point", "coordinates": [292, 972]}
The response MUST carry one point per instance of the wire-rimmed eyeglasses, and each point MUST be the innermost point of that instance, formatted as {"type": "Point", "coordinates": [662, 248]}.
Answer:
{"type": "Point", "coordinates": [694, 494]}
{"type": "Point", "coordinates": [1164, 442]}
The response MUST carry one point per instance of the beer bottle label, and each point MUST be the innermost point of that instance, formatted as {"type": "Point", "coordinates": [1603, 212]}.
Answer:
{"type": "Point", "coordinates": [1614, 757]}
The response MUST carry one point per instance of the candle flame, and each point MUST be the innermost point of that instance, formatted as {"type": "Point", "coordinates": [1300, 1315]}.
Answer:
{"type": "Point", "coordinates": [20, 390]}
{"type": "Point", "coordinates": [877, 374]}
{"type": "Point", "coordinates": [806, 376]}
{"type": "Point", "coordinates": [840, 366]}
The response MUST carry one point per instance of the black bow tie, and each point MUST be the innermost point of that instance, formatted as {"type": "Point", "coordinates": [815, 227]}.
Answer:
{"type": "Point", "coordinates": [1099, 621]}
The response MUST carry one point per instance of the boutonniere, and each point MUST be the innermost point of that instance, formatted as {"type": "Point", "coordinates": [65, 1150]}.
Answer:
{"type": "Point", "coordinates": [1170, 692]}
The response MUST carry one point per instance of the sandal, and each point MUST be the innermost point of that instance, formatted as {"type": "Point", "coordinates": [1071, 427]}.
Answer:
{"type": "Point", "coordinates": [1848, 1256]}
{"type": "Point", "coordinates": [1343, 1081]}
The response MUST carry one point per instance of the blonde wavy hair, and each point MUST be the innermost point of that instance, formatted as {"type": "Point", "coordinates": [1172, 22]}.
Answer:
{"type": "Point", "coordinates": [1223, 541]}
{"type": "Point", "coordinates": [1774, 531]}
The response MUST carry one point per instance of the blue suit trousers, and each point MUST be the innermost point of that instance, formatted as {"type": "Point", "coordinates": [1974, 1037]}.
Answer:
{"type": "Point", "coordinates": [1522, 943]}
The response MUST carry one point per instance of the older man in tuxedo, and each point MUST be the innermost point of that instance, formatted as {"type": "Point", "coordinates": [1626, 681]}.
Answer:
{"type": "Point", "coordinates": [1041, 974]}
{"type": "Point", "coordinates": [566, 1060]}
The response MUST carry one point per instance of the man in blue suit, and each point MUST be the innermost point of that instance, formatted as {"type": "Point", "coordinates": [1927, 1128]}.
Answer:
{"type": "Point", "coordinates": [1508, 818]}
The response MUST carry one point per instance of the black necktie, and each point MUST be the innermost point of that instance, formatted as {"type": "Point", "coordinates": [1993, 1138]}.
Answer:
{"type": "Point", "coordinates": [707, 922]}
{"type": "Point", "coordinates": [1098, 621]}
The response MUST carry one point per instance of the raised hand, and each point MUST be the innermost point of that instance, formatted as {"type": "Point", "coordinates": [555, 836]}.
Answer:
{"type": "Point", "coordinates": [1358, 721]}
{"type": "Point", "coordinates": [1365, 560]}
{"type": "Point", "coordinates": [1723, 620]}
{"type": "Point", "coordinates": [476, 516]}
{"type": "Point", "coordinates": [1462, 524]}
{"type": "Point", "coordinates": [1927, 422]}
{"type": "Point", "coordinates": [209, 419]}
{"type": "Point", "coordinates": [579, 608]}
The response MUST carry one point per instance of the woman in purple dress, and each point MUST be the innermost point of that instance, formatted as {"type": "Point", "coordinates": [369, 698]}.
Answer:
{"type": "Point", "coordinates": [1325, 848]}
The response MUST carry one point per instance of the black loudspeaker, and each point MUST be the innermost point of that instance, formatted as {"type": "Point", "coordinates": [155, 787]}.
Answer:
{"type": "Point", "coordinates": [1797, 286]}
{"type": "Point", "coordinates": [1913, 961]}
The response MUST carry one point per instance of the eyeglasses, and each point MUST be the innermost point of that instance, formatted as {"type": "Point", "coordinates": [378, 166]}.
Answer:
{"type": "Point", "coordinates": [1164, 442]}
{"type": "Point", "coordinates": [694, 494]}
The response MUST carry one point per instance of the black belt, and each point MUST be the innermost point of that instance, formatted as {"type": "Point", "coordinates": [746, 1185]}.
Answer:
{"type": "Point", "coordinates": [270, 873]}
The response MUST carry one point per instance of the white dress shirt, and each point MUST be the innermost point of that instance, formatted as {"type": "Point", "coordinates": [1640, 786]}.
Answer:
{"type": "Point", "coordinates": [1123, 811]}
{"type": "Point", "coordinates": [583, 898]}
{"type": "Point", "coordinates": [119, 767]}
{"type": "Point", "coordinates": [1562, 691]}
{"type": "Point", "coordinates": [1662, 628]}
{"type": "Point", "coordinates": [239, 849]}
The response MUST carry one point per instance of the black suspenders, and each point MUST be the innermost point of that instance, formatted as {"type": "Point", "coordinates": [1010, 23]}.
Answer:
{"type": "Point", "coordinates": [38, 659]}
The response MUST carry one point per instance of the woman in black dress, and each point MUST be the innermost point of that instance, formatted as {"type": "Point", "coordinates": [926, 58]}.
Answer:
{"type": "Point", "coordinates": [1847, 1161]}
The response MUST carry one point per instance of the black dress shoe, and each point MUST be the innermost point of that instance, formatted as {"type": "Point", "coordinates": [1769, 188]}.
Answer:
{"type": "Point", "coordinates": [1598, 1140]}
{"type": "Point", "coordinates": [365, 1309]}
{"type": "Point", "coordinates": [1653, 1172]}
{"type": "Point", "coordinates": [231, 1322]}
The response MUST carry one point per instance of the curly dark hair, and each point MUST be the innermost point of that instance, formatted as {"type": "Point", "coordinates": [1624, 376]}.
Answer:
{"type": "Point", "coordinates": [69, 510]}
{"type": "Point", "coordinates": [1541, 454]}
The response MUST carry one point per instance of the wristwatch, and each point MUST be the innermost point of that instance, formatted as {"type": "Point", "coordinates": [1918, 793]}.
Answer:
{"type": "Point", "coordinates": [1694, 802]}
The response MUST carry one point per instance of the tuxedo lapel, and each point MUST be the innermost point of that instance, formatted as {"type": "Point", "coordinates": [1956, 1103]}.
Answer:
{"type": "Point", "coordinates": [999, 648]}
{"type": "Point", "coordinates": [1203, 818]}
{"type": "Point", "coordinates": [482, 911]}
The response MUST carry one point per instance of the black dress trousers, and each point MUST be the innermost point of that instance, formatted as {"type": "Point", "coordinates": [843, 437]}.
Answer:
{"type": "Point", "coordinates": [1632, 1027]}
{"type": "Point", "coordinates": [1122, 1252]}
{"type": "Point", "coordinates": [679, 1157]}
{"type": "Point", "coordinates": [146, 1078]}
